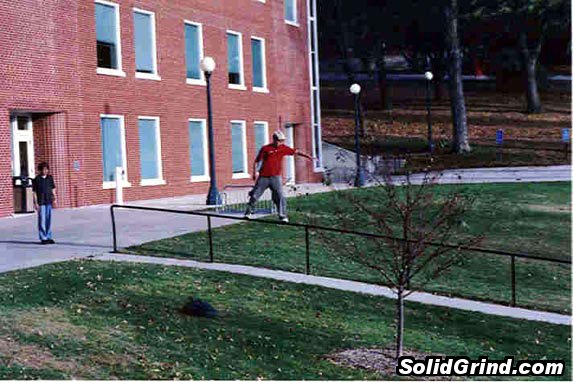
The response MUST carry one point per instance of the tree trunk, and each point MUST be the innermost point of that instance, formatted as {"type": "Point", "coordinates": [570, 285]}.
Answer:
{"type": "Point", "coordinates": [529, 63]}
{"type": "Point", "coordinates": [399, 323]}
{"type": "Point", "coordinates": [383, 82]}
{"type": "Point", "coordinates": [533, 100]}
{"type": "Point", "coordinates": [460, 127]}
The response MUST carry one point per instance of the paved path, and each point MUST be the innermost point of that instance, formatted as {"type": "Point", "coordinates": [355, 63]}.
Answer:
{"type": "Point", "coordinates": [81, 232]}
{"type": "Point", "coordinates": [502, 175]}
{"type": "Point", "coordinates": [86, 231]}
{"type": "Point", "coordinates": [352, 286]}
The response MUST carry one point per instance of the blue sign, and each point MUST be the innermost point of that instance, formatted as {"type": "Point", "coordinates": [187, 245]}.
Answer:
{"type": "Point", "coordinates": [499, 137]}
{"type": "Point", "coordinates": [565, 135]}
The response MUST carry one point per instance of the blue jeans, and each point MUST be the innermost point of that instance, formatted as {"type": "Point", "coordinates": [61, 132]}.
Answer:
{"type": "Point", "coordinates": [45, 222]}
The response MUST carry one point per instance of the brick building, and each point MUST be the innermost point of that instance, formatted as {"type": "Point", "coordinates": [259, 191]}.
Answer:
{"type": "Point", "coordinates": [90, 85]}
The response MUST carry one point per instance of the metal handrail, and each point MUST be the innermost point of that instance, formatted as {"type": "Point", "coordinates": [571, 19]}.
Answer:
{"type": "Point", "coordinates": [308, 227]}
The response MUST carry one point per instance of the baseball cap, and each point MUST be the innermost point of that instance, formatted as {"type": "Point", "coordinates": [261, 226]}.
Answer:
{"type": "Point", "coordinates": [279, 135]}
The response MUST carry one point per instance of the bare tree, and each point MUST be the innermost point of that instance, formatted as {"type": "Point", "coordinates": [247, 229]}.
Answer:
{"type": "Point", "coordinates": [460, 142]}
{"type": "Point", "coordinates": [415, 223]}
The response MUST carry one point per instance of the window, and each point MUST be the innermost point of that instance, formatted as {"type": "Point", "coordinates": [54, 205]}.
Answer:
{"type": "Point", "coordinates": [145, 47]}
{"type": "Point", "coordinates": [198, 150]}
{"type": "Point", "coordinates": [314, 86]}
{"type": "Point", "coordinates": [261, 135]}
{"type": "Point", "coordinates": [259, 64]}
{"type": "Point", "coordinates": [239, 149]}
{"type": "Point", "coordinates": [290, 12]}
{"type": "Point", "coordinates": [108, 38]}
{"type": "Point", "coordinates": [194, 52]}
{"type": "Point", "coordinates": [113, 147]}
{"type": "Point", "coordinates": [235, 60]}
{"type": "Point", "coordinates": [150, 151]}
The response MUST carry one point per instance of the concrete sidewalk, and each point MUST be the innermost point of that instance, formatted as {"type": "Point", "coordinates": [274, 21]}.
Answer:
{"type": "Point", "coordinates": [81, 232]}
{"type": "Point", "coordinates": [351, 286]}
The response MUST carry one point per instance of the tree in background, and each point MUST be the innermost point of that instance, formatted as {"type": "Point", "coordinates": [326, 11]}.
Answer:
{"type": "Point", "coordinates": [460, 141]}
{"type": "Point", "coordinates": [529, 22]}
{"type": "Point", "coordinates": [412, 219]}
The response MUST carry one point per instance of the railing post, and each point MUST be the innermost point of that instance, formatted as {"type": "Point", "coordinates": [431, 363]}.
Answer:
{"type": "Point", "coordinates": [513, 303]}
{"type": "Point", "coordinates": [306, 236]}
{"type": "Point", "coordinates": [210, 233]}
{"type": "Point", "coordinates": [113, 229]}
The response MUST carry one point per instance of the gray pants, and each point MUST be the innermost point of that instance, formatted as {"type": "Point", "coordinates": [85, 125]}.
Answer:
{"type": "Point", "coordinates": [276, 185]}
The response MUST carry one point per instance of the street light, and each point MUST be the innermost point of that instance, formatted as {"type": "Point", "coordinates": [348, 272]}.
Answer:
{"type": "Point", "coordinates": [213, 197]}
{"type": "Point", "coordinates": [429, 76]}
{"type": "Point", "coordinates": [359, 179]}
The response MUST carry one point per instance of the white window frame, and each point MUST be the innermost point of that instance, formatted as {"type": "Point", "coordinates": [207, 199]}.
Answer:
{"type": "Point", "coordinates": [240, 86]}
{"type": "Point", "coordinates": [266, 124]}
{"type": "Point", "coordinates": [195, 81]}
{"type": "Point", "coordinates": [315, 109]}
{"type": "Point", "coordinates": [110, 185]}
{"type": "Point", "coordinates": [155, 75]}
{"type": "Point", "coordinates": [159, 180]}
{"type": "Point", "coordinates": [119, 71]}
{"type": "Point", "coordinates": [291, 22]}
{"type": "Point", "coordinates": [245, 174]}
{"type": "Point", "coordinates": [205, 177]}
{"type": "Point", "coordinates": [265, 88]}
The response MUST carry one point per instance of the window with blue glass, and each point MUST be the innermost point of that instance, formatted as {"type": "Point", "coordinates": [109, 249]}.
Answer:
{"type": "Point", "coordinates": [290, 11]}
{"type": "Point", "coordinates": [193, 50]}
{"type": "Point", "coordinates": [149, 148]}
{"type": "Point", "coordinates": [238, 148]}
{"type": "Point", "coordinates": [144, 40]}
{"type": "Point", "coordinates": [259, 69]}
{"type": "Point", "coordinates": [112, 146]}
{"type": "Point", "coordinates": [234, 58]}
{"type": "Point", "coordinates": [107, 35]}
{"type": "Point", "coordinates": [261, 134]}
{"type": "Point", "coordinates": [198, 149]}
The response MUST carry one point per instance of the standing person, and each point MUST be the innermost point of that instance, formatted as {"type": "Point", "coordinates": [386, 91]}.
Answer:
{"type": "Point", "coordinates": [271, 156]}
{"type": "Point", "coordinates": [44, 198]}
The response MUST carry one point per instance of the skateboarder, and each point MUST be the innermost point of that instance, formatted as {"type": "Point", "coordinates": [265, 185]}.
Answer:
{"type": "Point", "coordinates": [271, 156]}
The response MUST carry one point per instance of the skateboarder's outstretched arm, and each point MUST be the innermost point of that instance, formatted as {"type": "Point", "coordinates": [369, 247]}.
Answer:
{"type": "Point", "coordinates": [304, 155]}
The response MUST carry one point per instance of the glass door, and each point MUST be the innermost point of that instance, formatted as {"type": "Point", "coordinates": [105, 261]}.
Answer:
{"type": "Point", "coordinates": [290, 171]}
{"type": "Point", "coordinates": [22, 147]}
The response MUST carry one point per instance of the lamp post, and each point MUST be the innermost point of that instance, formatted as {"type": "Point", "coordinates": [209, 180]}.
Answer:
{"type": "Point", "coordinates": [359, 179]}
{"type": "Point", "coordinates": [213, 197]}
{"type": "Point", "coordinates": [429, 76]}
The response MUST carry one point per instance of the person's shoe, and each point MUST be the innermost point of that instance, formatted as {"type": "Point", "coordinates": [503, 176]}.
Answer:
{"type": "Point", "coordinates": [44, 242]}
{"type": "Point", "coordinates": [284, 219]}
{"type": "Point", "coordinates": [249, 216]}
{"type": "Point", "coordinates": [50, 241]}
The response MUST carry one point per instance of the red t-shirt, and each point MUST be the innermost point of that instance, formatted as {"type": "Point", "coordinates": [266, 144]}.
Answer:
{"type": "Point", "coordinates": [272, 158]}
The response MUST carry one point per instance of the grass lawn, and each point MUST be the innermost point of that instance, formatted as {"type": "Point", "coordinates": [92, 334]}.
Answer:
{"type": "Point", "coordinates": [528, 217]}
{"type": "Point", "coordinates": [97, 320]}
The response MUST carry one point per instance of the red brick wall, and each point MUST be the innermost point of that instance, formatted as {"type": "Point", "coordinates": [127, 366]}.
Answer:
{"type": "Point", "coordinates": [48, 64]}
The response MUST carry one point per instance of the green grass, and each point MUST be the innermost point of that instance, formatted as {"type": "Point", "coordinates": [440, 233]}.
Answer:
{"type": "Point", "coordinates": [100, 320]}
{"type": "Point", "coordinates": [525, 217]}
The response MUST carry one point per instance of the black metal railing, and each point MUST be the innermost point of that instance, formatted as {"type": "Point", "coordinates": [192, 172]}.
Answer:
{"type": "Point", "coordinates": [308, 227]}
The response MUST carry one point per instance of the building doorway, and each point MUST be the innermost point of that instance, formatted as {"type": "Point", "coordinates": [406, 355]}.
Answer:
{"type": "Point", "coordinates": [23, 164]}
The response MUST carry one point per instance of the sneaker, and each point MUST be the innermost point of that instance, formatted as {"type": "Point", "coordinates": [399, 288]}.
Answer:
{"type": "Point", "coordinates": [249, 216]}
{"type": "Point", "coordinates": [50, 241]}
{"type": "Point", "coordinates": [284, 219]}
